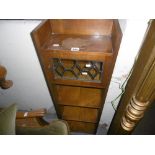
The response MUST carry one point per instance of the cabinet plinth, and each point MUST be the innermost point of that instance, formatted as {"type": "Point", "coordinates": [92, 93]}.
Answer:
{"type": "Point", "coordinates": [77, 58]}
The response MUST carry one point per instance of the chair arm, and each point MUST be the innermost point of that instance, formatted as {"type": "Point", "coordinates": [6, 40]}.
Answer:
{"type": "Point", "coordinates": [56, 127]}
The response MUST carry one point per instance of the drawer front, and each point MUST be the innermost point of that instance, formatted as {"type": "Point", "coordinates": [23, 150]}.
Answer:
{"type": "Point", "coordinates": [82, 127]}
{"type": "Point", "coordinates": [79, 114]}
{"type": "Point", "coordinates": [79, 96]}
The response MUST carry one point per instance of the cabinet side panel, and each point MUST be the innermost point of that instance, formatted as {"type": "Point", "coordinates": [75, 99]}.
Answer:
{"type": "Point", "coordinates": [43, 32]}
{"type": "Point", "coordinates": [116, 36]}
{"type": "Point", "coordinates": [116, 41]}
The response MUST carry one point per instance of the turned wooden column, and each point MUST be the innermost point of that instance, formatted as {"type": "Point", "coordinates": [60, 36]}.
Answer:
{"type": "Point", "coordinates": [140, 89]}
{"type": "Point", "coordinates": [4, 84]}
{"type": "Point", "coordinates": [139, 103]}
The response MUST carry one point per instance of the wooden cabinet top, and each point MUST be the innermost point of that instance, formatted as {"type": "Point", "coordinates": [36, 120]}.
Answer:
{"type": "Point", "coordinates": [60, 37]}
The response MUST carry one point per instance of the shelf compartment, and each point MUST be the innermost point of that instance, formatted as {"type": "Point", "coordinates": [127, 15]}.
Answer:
{"type": "Point", "coordinates": [79, 96]}
{"type": "Point", "coordinates": [79, 114]}
{"type": "Point", "coordinates": [76, 126]}
{"type": "Point", "coordinates": [87, 43]}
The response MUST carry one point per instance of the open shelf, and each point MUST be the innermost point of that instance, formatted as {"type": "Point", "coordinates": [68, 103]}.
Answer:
{"type": "Point", "coordinates": [86, 43]}
{"type": "Point", "coordinates": [79, 96]}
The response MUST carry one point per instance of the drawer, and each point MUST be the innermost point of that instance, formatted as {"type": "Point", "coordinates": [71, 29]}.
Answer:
{"type": "Point", "coordinates": [79, 114]}
{"type": "Point", "coordinates": [82, 127]}
{"type": "Point", "coordinates": [79, 96]}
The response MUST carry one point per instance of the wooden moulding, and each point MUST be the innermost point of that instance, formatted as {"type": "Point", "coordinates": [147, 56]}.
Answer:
{"type": "Point", "coordinates": [79, 114]}
{"type": "Point", "coordinates": [136, 108]}
{"type": "Point", "coordinates": [134, 112]}
{"type": "Point", "coordinates": [140, 89]}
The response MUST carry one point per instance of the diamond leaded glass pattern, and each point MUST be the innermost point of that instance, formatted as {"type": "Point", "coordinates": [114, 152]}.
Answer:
{"type": "Point", "coordinates": [77, 69]}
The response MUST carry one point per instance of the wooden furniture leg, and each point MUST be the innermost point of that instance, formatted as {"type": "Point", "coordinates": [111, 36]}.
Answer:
{"type": "Point", "coordinates": [4, 84]}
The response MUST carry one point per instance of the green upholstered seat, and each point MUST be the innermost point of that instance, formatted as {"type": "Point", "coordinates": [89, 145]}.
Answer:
{"type": "Point", "coordinates": [8, 127]}
{"type": "Point", "coordinates": [7, 120]}
{"type": "Point", "coordinates": [56, 127]}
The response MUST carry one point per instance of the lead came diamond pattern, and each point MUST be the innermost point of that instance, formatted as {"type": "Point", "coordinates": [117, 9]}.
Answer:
{"type": "Point", "coordinates": [77, 69]}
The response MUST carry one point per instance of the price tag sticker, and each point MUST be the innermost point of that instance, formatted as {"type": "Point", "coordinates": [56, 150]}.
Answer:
{"type": "Point", "coordinates": [56, 45]}
{"type": "Point", "coordinates": [25, 114]}
{"type": "Point", "coordinates": [75, 49]}
{"type": "Point", "coordinates": [84, 73]}
{"type": "Point", "coordinates": [88, 65]}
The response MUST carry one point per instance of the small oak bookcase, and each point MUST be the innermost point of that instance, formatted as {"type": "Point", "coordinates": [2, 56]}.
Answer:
{"type": "Point", "coordinates": [77, 57]}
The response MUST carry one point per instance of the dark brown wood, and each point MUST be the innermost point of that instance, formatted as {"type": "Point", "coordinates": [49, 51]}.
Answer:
{"type": "Point", "coordinates": [90, 97]}
{"type": "Point", "coordinates": [28, 114]}
{"type": "Point", "coordinates": [79, 114]}
{"type": "Point", "coordinates": [31, 118]}
{"type": "Point", "coordinates": [78, 96]}
{"type": "Point", "coordinates": [140, 89]}
{"type": "Point", "coordinates": [4, 84]}
{"type": "Point", "coordinates": [86, 127]}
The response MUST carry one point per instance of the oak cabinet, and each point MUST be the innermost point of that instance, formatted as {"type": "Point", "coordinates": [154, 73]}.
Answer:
{"type": "Point", "coordinates": [77, 57]}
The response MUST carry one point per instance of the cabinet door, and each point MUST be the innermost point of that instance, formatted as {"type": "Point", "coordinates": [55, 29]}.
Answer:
{"type": "Point", "coordinates": [78, 72]}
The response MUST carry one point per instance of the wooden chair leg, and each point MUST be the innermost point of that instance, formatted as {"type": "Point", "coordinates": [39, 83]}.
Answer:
{"type": "Point", "coordinates": [4, 84]}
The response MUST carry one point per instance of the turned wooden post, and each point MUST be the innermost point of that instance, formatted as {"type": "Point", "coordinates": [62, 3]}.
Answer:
{"type": "Point", "coordinates": [135, 110]}
{"type": "Point", "coordinates": [140, 89]}
{"type": "Point", "coordinates": [4, 84]}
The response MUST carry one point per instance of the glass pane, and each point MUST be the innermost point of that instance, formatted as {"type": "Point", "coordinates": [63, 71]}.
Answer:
{"type": "Point", "coordinates": [77, 69]}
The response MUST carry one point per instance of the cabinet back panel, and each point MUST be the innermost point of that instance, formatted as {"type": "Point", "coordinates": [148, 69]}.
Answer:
{"type": "Point", "coordinates": [81, 26]}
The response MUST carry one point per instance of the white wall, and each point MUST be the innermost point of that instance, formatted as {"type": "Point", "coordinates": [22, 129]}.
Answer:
{"type": "Point", "coordinates": [18, 55]}
{"type": "Point", "coordinates": [30, 91]}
